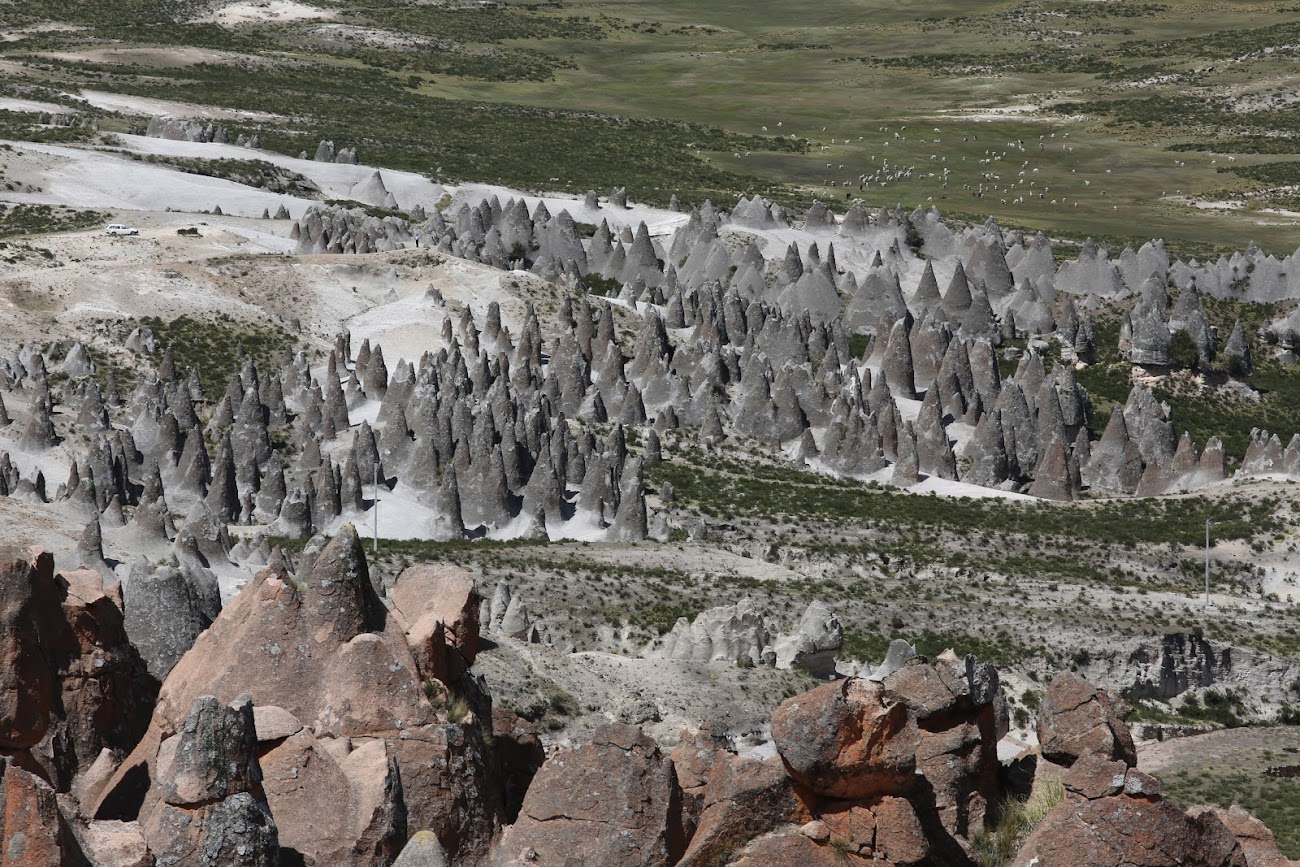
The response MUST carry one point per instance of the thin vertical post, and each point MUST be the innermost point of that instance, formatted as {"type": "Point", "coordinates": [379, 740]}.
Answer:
{"type": "Point", "coordinates": [375, 481]}
{"type": "Point", "coordinates": [1207, 567]}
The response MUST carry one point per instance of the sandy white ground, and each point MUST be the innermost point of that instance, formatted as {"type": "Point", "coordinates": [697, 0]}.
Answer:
{"type": "Point", "coordinates": [8, 103]}
{"type": "Point", "coordinates": [45, 27]}
{"type": "Point", "coordinates": [163, 107]}
{"type": "Point", "coordinates": [90, 179]}
{"type": "Point", "coordinates": [251, 11]}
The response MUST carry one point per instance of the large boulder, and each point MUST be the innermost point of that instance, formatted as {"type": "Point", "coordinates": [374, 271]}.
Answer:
{"type": "Point", "coordinates": [745, 798]}
{"type": "Point", "coordinates": [362, 819]}
{"type": "Point", "coordinates": [1257, 841]}
{"type": "Point", "coordinates": [1077, 718]}
{"type": "Point", "coordinates": [849, 739]}
{"type": "Point", "coordinates": [960, 715]}
{"type": "Point", "coordinates": [611, 802]}
{"type": "Point", "coordinates": [441, 610]}
{"type": "Point", "coordinates": [166, 610]}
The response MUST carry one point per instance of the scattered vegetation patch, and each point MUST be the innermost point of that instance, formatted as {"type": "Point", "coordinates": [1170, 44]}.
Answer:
{"type": "Point", "coordinates": [725, 488]}
{"type": "Point", "coordinates": [250, 173]}
{"type": "Point", "coordinates": [215, 347]}
{"type": "Point", "coordinates": [26, 126]}
{"type": "Point", "coordinates": [44, 219]}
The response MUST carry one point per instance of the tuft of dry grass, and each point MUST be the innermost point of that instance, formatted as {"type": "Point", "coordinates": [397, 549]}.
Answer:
{"type": "Point", "coordinates": [997, 846]}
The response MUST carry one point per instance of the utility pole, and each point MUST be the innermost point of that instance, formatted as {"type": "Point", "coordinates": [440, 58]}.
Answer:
{"type": "Point", "coordinates": [1207, 568]}
{"type": "Point", "coordinates": [375, 481]}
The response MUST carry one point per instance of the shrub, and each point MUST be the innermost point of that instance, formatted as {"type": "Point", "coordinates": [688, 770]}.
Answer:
{"type": "Point", "coordinates": [1183, 352]}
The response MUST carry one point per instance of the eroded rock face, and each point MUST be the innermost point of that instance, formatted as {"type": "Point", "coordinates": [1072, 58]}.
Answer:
{"type": "Point", "coordinates": [722, 634]}
{"type": "Point", "coordinates": [27, 702]}
{"type": "Point", "coordinates": [886, 829]}
{"type": "Point", "coordinates": [318, 646]}
{"type": "Point", "coordinates": [744, 798]}
{"type": "Point", "coordinates": [816, 640]}
{"type": "Point", "coordinates": [613, 801]}
{"type": "Point", "coordinates": [33, 833]}
{"type": "Point", "coordinates": [207, 806]}
{"type": "Point", "coordinates": [441, 609]}
{"type": "Point", "coordinates": [960, 718]}
{"type": "Point", "coordinates": [363, 819]}
{"type": "Point", "coordinates": [1076, 718]}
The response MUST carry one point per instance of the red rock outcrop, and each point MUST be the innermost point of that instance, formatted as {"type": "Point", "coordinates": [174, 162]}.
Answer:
{"type": "Point", "coordinates": [321, 649]}
{"type": "Point", "coordinates": [1076, 718]}
{"type": "Point", "coordinates": [744, 799]}
{"type": "Point", "coordinates": [518, 755]}
{"type": "Point", "coordinates": [1120, 831]}
{"type": "Point", "coordinates": [1113, 815]}
{"type": "Point", "coordinates": [955, 702]}
{"type": "Point", "coordinates": [440, 607]}
{"type": "Point", "coordinates": [71, 683]}
{"type": "Point", "coordinates": [612, 802]}
{"type": "Point", "coordinates": [1257, 842]}
{"type": "Point", "coordinates": [901, 771]}
{"type": "Point", "coordinates": [32, 831]}
{"type": "Point", "coordinates": [693, 758]}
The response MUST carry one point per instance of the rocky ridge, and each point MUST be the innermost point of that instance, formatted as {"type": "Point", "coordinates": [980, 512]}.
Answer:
{"type": "Point", "coordinates": [309, 685]}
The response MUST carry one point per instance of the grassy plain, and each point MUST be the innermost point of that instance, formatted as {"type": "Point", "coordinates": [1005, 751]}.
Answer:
{"type": "Point", "coordinates": [1137, 104]}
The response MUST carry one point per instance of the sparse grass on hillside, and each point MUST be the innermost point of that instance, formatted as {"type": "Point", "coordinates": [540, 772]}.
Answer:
{"type": "Point", "coordinates": [395, 126]}
{"type": "Point", "coordinates": [252, 173]}
{"type": "Point", "coordinates": [1002, 649]}
{"type": "Point", "coordinates": [213, 346]}
{"type": "Point", "coordinates": [727, 488]}
{"type": "Point", "coordinates": [25, 126]}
